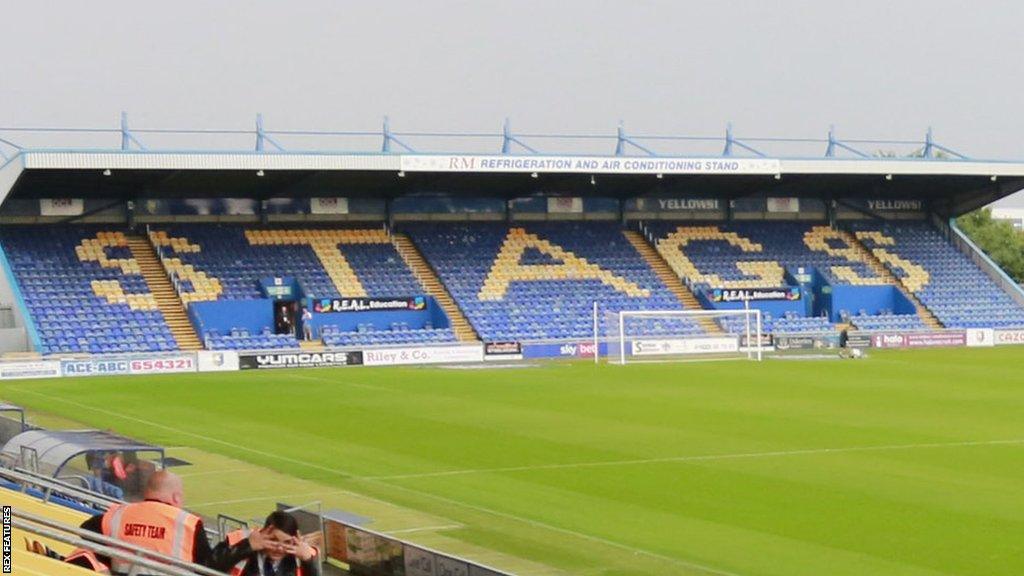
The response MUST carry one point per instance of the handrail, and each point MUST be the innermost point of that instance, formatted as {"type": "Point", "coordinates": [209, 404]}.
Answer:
{"type": "Point", "coordinates": [51, 485]}
{"type": "Point", "coordinates": [981, 259]}
{"type": "Point", "coordinates": [106, 546]}
{"type": "Point", "coordinates": [78, 477]}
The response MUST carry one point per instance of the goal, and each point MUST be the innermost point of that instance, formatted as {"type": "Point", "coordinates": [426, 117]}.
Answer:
{"type": "Point", "coordinates": [675, 335]}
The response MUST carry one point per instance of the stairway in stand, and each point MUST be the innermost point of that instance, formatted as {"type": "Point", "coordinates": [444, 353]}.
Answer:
{"type": "Point", "coordinates": [882, 271]}
{"type": "Point", "coordinates": [312, 345]}
{"type": "Point", "coordinates": [433, 286]}
{"type": "Point", "coordinates": [163, 292]}
{"type": "Point", "coordinates": [669, 278]}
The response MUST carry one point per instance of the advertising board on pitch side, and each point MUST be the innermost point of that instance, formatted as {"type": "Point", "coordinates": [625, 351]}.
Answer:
{"type": "Point", "coordinates": [509, 350]}
{"type": "Point", "coordinates": [981, 337]}
{"type": "Point", "coordinates": [299, 360]}
{"type": "Point", "coordinates": [1005, 337]}
{"type": "Point", "coordinates": [107, 366]}
{"type": "Point", "coordinates": [710, 345]}
{"type": "Point", "coordinates": [423, 355]}
{"type": "Point", "coordinates": [919, 339]}
{"type": "Point", "coordinates": [217, 360]}
{"type": "Point", "coordinates": [29, 369]}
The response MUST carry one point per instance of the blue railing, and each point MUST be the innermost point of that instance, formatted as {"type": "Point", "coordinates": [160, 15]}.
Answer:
{"type": "Point", "coordinates": [504, 141]}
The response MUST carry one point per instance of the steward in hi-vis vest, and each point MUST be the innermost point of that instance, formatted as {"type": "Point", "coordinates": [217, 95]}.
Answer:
{"type": "Point", "coordinates": [159, 524]}
{"type": "Point", "coordinates": [153, 525]}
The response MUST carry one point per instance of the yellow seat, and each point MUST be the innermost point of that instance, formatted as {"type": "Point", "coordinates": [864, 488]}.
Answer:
{"type": "Point", "coordinates": [27, 563]}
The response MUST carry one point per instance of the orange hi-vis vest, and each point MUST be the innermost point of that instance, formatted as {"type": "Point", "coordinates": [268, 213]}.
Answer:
{"type": "Point", "coordinates": [152, 525]}
{"type": "Point", "coordinates": [86, 559]}
{"type": "Point", "coordinates": [237, 536]}
{"type": "Point", "coordinates": [233, 538]}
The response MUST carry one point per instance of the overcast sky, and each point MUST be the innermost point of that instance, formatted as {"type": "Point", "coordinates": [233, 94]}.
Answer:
{"type": "Point", "coordinates": [874, 69]}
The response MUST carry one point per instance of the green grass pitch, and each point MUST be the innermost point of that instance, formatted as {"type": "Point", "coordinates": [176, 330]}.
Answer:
{"type": "Point", "coordinates": [908, 463]}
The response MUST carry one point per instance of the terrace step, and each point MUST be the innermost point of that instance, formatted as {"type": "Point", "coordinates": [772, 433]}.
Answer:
{"type": "Point", "coordinates": [167, 299]}
{"type": "Point", "coordinates": [669, 278]}
{"type": "Point", "coordinates": [312, 345]}
{"type": "Point", "coordinates": [434, 287]}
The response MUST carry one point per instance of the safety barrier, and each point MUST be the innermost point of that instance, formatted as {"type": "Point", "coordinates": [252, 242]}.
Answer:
{"type": "Point", "coordinates": [971, 337]}
{"type": "Point", "coordinates": [152, 562]}
{"type": "Point", "coordinates": [232, 360]}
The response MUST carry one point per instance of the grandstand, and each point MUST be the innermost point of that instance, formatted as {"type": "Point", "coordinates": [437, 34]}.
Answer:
{"type": "Point", "coordinates": [135, 261]}
{"type": "Point", "coordinates": [202, 262]}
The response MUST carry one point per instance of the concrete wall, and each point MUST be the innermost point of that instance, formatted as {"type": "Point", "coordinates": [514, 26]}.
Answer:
{"type": "Point", "coordinates": [13, 340]}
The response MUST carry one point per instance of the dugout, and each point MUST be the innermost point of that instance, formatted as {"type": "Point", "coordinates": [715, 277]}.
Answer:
{"type": "Point", "coordinates": [12, 421]}
{"type": "Point", "coordinates": [97, 460]}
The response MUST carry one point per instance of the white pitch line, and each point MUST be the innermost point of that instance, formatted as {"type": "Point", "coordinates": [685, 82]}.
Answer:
{"type": "Point", "coordinates": [422, 494]}
{"type": "Point", "coordinates": [213, 472]}
{"type": "Point", "coordinates": [272, 497]}
{"type": "Point", "coordinates": [697, 458]}
{"type": "Point", "coordinates": [236, 445]}
{"type": "Point", "coordinates": [537, 523]}
{"type": "Point", "coordinates": [424, 529]}
{"type": "Point", "coordinates": [333, 381]}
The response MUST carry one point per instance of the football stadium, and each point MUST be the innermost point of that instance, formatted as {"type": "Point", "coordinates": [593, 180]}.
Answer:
{"type": "Point", "coordinates": [510, 361]}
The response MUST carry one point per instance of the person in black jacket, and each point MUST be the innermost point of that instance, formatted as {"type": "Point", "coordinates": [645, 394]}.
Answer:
{"type": "Point", "coordinates": [284, 553]}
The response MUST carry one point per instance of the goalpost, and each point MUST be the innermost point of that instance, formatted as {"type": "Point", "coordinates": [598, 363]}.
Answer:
{"type": "Point", "coordinates": [673, 335]}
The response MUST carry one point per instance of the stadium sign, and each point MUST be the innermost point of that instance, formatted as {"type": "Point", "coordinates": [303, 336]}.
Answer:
{"type": "Point", "coordinates": [61, 206]}
{"type": "Point", "coordinates": [919, 339]}
{"type": "Point", "coordinates": [564, 350]}
{"type": "Point", "coordinates": [95, 367]}
{"type": "Point", "coordinates": [688, 204]}
{"type": "Point", "coordinates": [981, 337]}
{"type": "Point", "coordinates": [782, 204]}
{"type": "Point", "coordinates": [503, 351]}
{"type": "Point", "coordinates": [680, 204]}
{"type": "Point", "coordinates": [889, 205]}
{"type": "Point", "coordinates": [163, 364]}
{"type": "Point", "coordinates": [1005, 337]}
{"type": "Point", "coordinates": [767, 341]}
{"type": "Point", "coordinates": [883, 205]}
{"type": "Point", "coordinates": [587, 164]}
{"type": "Point", "coordinates": [754, 294]}
{"type": "Point", "coordinates": [806, 342]}
{"type": "Point", "coordinates": [858, 340]}
{"type": "Point", "coordinates": [711, 345]}
{"type": "Point", "coordinates": [332, 305]}
{"type": "Point", "coordinates": [423, 355]}
{"type": "Point", "coordinates": [36, 369]}
{"type": "Point", "coordinates": [107, 366]}
{"type": "Point", "coordinates": [217, 361]}
{"type": "Point", "coordinates": [299, 360]}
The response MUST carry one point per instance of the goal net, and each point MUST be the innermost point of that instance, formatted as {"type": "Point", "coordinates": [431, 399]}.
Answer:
{"type": "Point", "coordinates": [678, 335]}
